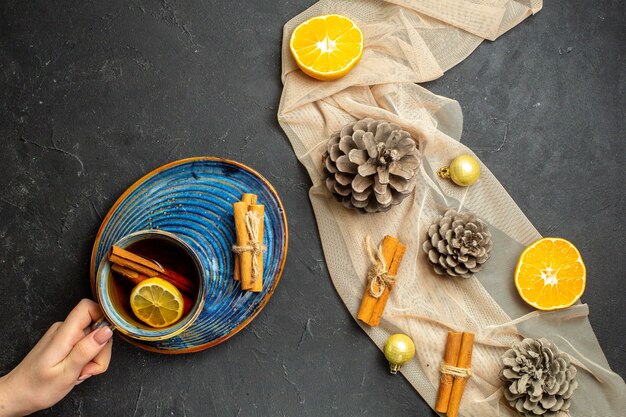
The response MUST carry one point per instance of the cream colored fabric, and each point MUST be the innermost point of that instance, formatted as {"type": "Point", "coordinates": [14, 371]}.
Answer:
{"type": "Point", "coordinates": [407, 42]}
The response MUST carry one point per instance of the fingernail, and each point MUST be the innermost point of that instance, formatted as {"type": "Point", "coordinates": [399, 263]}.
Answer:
{"type": "Point", "coordinates": [102, 335]}
{"type": "Point", "coordinates": [82, 378]}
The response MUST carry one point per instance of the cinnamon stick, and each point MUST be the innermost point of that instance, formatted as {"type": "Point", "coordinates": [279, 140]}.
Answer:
{"type": "Point", "coordinates": [450, 357]}
{"type": "Point", "coordinates": [240, 209]}
{"type": "Point", "coordinates": [124, 254]}
{"type": "Point", "coordinates": [180, 280]}
{"type": "Point", "coordinates": [133, 276]}
{"type": "Point", "coordinates": [465, 361]}
{"type": "Point", "coordinates": [128, 264]}
{"type": "Point", "coordinates": [138, 264]}
{"type": "Point", "coordinates": [389, 246]}
{"type": "Point", "coordinates": [379, 307]}
{"type": "Point", "coordinates": [259, 210]}
{"type": "Point", "coordinates": [237, 270]}
{"type": "Point", "coordinates": [250, 199]}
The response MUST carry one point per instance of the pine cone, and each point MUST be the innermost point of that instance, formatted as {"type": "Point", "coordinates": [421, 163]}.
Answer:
{"type": "Point", "coordinates": [539, 379]}
{"type": "Point", "coordinates": [458, 244]}
{"type": "Point", "coordinates": [371, 165]}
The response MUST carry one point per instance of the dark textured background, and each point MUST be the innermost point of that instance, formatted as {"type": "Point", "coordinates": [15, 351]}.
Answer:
{"type": "Point", "coordinates": [96, 93]}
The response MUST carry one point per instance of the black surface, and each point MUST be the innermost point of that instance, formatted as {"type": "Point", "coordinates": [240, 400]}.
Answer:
{"type": "Point", "coordinates": [95, 94]}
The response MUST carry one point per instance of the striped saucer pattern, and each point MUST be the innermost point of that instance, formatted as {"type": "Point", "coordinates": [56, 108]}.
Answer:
{"type": "Point", "coordinates": [193, 198]}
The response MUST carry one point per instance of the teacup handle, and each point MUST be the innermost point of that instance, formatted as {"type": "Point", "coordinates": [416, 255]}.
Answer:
{"type": "Point", "coordinates": [102, 321]}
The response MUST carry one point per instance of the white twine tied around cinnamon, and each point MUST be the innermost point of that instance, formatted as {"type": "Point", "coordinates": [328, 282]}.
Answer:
{"type": "Point", "coordinates": [378, 275]}
{"type": "Point", "coordinates": [253, 221]}
{"type": "Point", "coordinates": [446, 369]}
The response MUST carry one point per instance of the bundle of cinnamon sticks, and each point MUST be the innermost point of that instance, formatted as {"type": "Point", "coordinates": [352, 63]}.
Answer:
{"type": "Point", "coordinates": [136, 268]}
{"type": "Point", "coordinates": [249, 225]}
{"type": "Point", "coordinates": [381, 280]}
{"type": "Point", "coordinates": [455, 370]}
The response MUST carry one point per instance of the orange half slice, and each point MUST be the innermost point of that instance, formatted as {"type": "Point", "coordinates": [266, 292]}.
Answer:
{"type": "Point", "coordinates": [550, 274]}
{"type": "Point", "coordinates": [327, 47]}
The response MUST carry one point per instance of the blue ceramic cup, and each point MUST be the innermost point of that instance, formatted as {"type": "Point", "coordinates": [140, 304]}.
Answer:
{"type": "Point", "coordinates": [115, 302]}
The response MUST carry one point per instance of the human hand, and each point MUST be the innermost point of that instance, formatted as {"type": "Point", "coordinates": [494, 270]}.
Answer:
{"type": "Point", "coordinates": [66, 355]}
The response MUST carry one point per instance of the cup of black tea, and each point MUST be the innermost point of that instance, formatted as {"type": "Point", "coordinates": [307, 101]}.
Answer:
{"type": "Point", "coordinates": [141, 258]}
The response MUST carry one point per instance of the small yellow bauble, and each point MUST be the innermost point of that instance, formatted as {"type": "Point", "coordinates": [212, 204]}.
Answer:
{"type": "Point", "coordinates": [464, 170]}
{"type": "Point", "coordinates": [399, 349]}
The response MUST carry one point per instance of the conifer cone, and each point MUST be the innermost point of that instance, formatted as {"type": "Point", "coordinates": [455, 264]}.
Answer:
{"type": "Point", "coordinates": [457, 244]}
{"type": "Point", "coordinates": [538, 379]}
{"type": "Point", "coordinates": [371, 165]}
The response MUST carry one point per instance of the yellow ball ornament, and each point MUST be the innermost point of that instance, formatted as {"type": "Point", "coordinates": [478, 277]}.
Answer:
{"type": "Point", "coordinates": [464, 171]}
{"type": "Point", "coordinates": [399, 349]}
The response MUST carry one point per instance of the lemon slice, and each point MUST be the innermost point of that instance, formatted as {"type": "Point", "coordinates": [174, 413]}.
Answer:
{"type": "Point", "coordinates": [550, 274]}
{"type": "Point", "coordinates": [156, 302]}
{"type": "Point", "coordinates": [327, 47]}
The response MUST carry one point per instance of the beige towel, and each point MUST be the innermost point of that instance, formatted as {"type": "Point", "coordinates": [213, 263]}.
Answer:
{"type": "Point", "coordinates": [407, 42]}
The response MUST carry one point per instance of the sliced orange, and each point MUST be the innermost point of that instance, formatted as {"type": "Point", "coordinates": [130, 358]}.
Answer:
{"type": "Point", "coordinates": [156, 302]}
{"type": "Point", "coordinates": [327, 47]}
{"type": "Point", "coordinates": [550, 274]}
